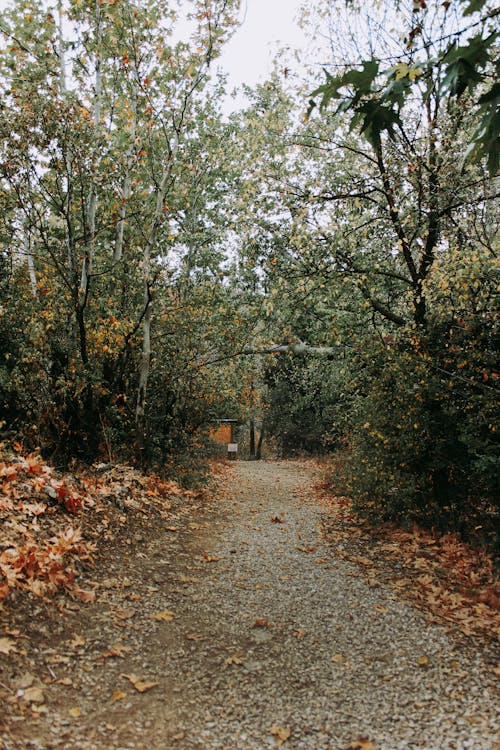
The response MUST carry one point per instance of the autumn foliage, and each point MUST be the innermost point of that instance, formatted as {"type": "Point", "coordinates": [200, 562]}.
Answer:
{"type": "Point", "coordinates": [54, 523]}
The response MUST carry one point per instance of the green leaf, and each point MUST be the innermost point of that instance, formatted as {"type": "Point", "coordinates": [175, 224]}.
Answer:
{"type": "Point", "coordinates": [362, 79]}
{"type": "Point", "coordinates": [474, 6]}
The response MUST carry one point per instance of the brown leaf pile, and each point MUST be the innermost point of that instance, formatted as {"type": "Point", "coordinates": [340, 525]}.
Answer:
{"type": "Point", "coordinates": [42, 549]}
{"type": "Point", "coordinates": [39, 541]}
{"type": "Point", "coordinates": [452, 581]}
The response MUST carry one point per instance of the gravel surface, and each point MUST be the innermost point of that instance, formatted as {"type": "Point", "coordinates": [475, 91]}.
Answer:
{"type": "Point", "coordinates": [274, 641]}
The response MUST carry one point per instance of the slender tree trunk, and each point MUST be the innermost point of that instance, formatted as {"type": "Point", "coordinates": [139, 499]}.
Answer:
{"type": "Point", "coordinates": [92, 198]}
{"type": "Point", "coordinates": [127, 183]}
{"type": "Point", "coordinates": [68, 153]}
{"type": "Point", "coordinates": [145, 362]}
{"type": "Point", "coordinates": [29, 259]}
{"type": "Point", "coordinates": [252, 439]}
{"type": "Point", "coordinates": [258, 452]}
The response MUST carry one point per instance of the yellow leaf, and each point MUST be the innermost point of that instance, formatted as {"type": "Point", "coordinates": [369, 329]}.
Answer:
{"type": "Point", "coordinates": [75, 712]}
{"type": "Point", "coordinates": [338, 658]}
{"type": "Point", "coordinates": [423, 661]}
{"type": "Point", "coordinates": [237, 658]}
{"type": "Point", "coordinates": [119, 695]}
{"type": "Point", "coordinates": [165, 616]}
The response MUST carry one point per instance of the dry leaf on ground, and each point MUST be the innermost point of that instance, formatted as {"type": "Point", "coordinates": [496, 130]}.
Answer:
{"type": "Point", "coordinates": [117, 649]}
{"type": "Point", "coordinates": [139, 684]}
{"type": "Point", "coordinates": [194, 636]}
{"type": "Point", "coordinates": [260, 622]}
{"type": "Point", "coordinates": [34, 695]}
{"type": "Point", "coordinates": [237, 658]}
{"type": "Point", "coordinates": [7, 646]}
{"type": "Point", "coordinates": [77, 642]}
{"type": "Point", "coordinates": [361, 744]}
{"type": "Point", "coordinates": [165, 616]}
{"type": "Point", "coordinates": [281, 734]}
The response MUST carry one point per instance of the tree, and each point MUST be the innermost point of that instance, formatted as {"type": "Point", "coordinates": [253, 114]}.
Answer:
{"type": "Point", "coordinates": [95, 166]}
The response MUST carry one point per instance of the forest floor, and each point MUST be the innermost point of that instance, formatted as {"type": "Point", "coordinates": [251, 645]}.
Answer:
{"type": "Point", "coordinates": [259, 616]}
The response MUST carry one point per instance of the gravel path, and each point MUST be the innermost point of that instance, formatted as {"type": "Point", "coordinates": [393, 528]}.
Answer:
{"type": "Point", "coordinates": [274, 642]}
{"type": "Point", "coordinates": [339, 662]}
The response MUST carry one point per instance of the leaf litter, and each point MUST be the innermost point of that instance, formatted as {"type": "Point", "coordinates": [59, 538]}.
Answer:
{"type": "Point", "coordinates": [451, 581]}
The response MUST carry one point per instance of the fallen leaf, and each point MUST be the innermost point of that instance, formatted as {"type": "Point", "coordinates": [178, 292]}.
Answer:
{"type": "Point", "coordinates": [34, 695]}
{"type": "Point", "coordinates": [423, 661]}
{"type": "Point", "coordinates": [75, 712]}
{"type": "Point", "coordinates": [65, 681]}
{"type": "Point", "coordinates": [138, 683]}
{"type": "Point", "coordinates": [25, 681]}
{"type": "Point", "coordinates": [338, 658]}
{"type": "Point", "coordinates": [237, 658]}
{"type": "Point", "coordinates": [260, 622]}
{"type": "Point", "coordinates": [361, 744]}
{"type": "Point", "coordinates": [281, 734]}
{"type": "Point", "coordinates": [82, 595]}
{"type": "Point", "coordinates": [299, 633]}
{"type": "Point", "coordinates": [117, 649]}
{"type": "Point", "coordinates": [209, 558]}
{"type": "Point", "coordinates": [77, 642]}
{"type": "Point", "coordinates": [277, 519]}
{"type": "Point", "coordinates": [7, 646]}
{"type": "Point", "coordinates": [193, 636]}
{"type": "Point", "coordinates": [119, 695]}
{"type": "Point", "coordinates": [306, 549]}
{"type": "Point", "coordinates": [165, 616]}
{"type": "Point", "coordinates": [124, 613]}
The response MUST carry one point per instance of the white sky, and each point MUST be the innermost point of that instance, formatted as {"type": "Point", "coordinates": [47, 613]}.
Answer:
{"type": "Point", "coordinates": [268, 26]}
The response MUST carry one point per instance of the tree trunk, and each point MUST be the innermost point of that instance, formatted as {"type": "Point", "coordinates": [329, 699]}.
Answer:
{"type": "Point", "coordinates": [127, 183]}
{"type": "Point", "coordinates": [258, 452]}
{"type": "Point", "coordinates": [140, 410]}
{"type": "Point", "coordinates": [92, 198]}
{"type": "Point", "coordinates": [252, 440]}
{"type": "Point", "coordinates": [29, 259]}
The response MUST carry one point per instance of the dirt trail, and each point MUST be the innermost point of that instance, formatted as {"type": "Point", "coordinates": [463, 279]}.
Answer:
{"type": "Point", "coordinates": [271, 641]}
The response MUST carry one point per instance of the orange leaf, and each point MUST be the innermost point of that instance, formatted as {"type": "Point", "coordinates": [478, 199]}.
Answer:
{"type": "Point", "coordinates": [361, 744]}
{"type": "Point", "coordinates": [281, 734]}
{"type": "Point", "coordinates": [260, 622]}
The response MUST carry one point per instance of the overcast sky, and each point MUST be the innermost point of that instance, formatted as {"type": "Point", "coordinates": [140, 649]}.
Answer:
{"type": "Point", "coordinates": [268, 25]}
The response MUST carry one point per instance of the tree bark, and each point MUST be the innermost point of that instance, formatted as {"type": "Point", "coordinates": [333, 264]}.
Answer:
{"type": "Point", "coordinates": [127, 184]}
{"type": "Point", "coordinates": [29, 259]}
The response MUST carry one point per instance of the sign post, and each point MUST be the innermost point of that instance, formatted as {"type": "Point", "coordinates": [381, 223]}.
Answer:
{"type": "Point", "coordinates": [232, 450]}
